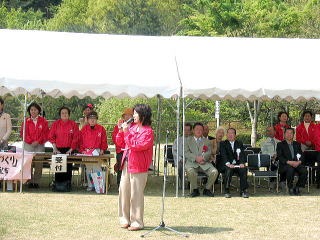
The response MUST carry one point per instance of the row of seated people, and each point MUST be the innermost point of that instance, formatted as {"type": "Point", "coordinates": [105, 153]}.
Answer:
{"type": "Point", "coordinates": [215, 155]}
{"type": "Point", "coordinates": [201, 156]}
{"type": "Point", "coordinates": [64, 135]}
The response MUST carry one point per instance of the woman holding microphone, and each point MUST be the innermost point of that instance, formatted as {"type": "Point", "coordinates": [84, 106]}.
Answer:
{"type": "Point", "coordinates": [137, 157]}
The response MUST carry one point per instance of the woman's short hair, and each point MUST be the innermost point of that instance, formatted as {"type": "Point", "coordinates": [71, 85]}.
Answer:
{"type": "Point", "coordinates": [92, 114]}
{"type": "Point", "coordinates": [221, 128]}
{"type": "Point", "coordinates": [66, 108]}
{"type": "Point", "coordinates": [1, 100]}
{"type": "Point", "coordinates": [36, 105]}
{"type": "Point", "coordinates": [282, 112]}
{"type": "Point", "coordinates": [307, 112]}
{"type": "Point", "coordinates": [145, 113]}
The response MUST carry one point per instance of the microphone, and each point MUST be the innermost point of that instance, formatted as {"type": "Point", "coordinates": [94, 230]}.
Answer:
{"type": "Point", "coordinates": [130, 120]}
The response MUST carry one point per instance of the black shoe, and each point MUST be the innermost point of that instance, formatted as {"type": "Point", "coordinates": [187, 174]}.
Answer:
{"type": "Point", "coordinates": [207, 192]}
{"type": "Point", "coordinates": [195, 193]}
{"type": "Point", "coordinates": [291, 192]}
{"type": "Point", "coordinates": [244, 194]}
{"type": "Point", "coordinates": [227, 194]}
{"type": "Point", "coordinates": [297, 191]}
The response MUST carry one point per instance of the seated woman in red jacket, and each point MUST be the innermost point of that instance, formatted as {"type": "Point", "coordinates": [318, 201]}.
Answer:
{"type": "Point", "coordinates": [93, 137]}
{"type": "Point", "coordinates": [36, 136]}
{"type": "Point", "coordinates": [283, 118]}
{"type": "Point", "coordinates": [64, 136]}
{"type": "Point", "coordinates": [305, 131]}
{"type": "Point", "coordinates": [137, 157]}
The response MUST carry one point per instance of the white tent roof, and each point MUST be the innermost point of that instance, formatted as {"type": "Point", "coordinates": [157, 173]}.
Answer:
{"type": "Point", "coordinates": [77, 64]}
{"type": "Point", "coordinates": [250, 68]}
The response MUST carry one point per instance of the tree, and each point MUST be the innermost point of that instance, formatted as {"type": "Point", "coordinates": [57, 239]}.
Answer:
{"type": "Point", "coordinates": [252, 18]}
{"type": "Point", "coordinates": [139, 17]}
{"type": "Point", "coordinates": [42, 5]}
{"type": "Point", "coordinates": [254, 112]}
{"type": "Point", "coordinates": [19, 19]}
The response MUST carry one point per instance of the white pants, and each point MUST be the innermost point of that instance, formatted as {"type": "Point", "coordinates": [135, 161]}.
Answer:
{"type": "Point", "coordinates": [131, 197]}
{"type": "Point", "coordinates": [36, 176]}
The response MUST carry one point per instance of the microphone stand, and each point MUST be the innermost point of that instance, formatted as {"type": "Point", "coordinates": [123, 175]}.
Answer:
{"type": "Point", "coordinates": [162, 225]}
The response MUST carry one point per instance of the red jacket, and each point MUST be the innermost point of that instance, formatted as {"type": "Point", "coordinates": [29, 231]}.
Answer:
{"type": "Point", "coordinates": [316, 139]}
{"type": "Point", "coordinates": [36, 133]}
{"type": "Point", "coordinates": [279, 132]}
{"type": "Point", "coordinates": [64, 134]}
{"type": "Point", "coordinates": [302, 136]}
{"type": "Point", "coordinates": [93, 138]}
{"type": "Point", "coordinates": [120, 146]}
{"type": "Point", "coordinates": [139, 147]}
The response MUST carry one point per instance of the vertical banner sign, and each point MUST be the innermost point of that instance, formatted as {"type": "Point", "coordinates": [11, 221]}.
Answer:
{"type": "Point", "coordinates": [59, 163]}
{"type": "Point", "coordinates": [217, 109]}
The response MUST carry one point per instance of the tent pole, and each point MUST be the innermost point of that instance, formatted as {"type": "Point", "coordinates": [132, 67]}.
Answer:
{"type": "Point", "coordinates": [23, 137]}
{"type": "Point", "coordinates": [159, 132]}
{"type": "Point", "coordinates": [183, 142]}
{"type": "Point", "coordinates": [156, 140]}
{"type": "Point", "coordinates": [178, 128]}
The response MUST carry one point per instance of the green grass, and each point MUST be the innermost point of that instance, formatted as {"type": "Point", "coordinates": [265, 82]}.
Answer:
{"type": "Point", "coordinates": [41, 214]}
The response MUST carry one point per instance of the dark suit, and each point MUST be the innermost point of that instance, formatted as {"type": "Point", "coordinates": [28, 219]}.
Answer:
{"type": "Point", "coordinates": [230, 156]}
{"type": "Point", "coordinates": [284, 155]}
{"type": "Point", "coordinates": [210, 138]}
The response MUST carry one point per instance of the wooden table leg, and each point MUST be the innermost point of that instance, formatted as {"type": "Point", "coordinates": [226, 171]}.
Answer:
{"type": "Point", "coordinates": [107, 179]}
{"type": "Point", "coordinates": [4, 185]}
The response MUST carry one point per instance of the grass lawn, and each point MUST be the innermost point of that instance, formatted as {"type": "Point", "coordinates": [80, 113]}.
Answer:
{"type": "Point", "coordinates": [41, 214]}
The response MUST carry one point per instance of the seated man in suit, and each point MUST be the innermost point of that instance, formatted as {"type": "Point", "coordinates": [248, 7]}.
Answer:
{"type": "Point", "coordinates": [197, 155]}
{"type": "Point", "coordinates": [187, 134]}
{"type": "Point", "coordinates": [232, 153]}
{"type": "Point", "coordinates": [291, 161]}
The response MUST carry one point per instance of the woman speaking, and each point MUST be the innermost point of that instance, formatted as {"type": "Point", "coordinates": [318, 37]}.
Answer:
{"type": "Point", "coordinates": [137, 157]}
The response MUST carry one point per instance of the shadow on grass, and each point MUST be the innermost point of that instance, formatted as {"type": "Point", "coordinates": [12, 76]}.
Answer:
{"type": "Point", "coordinates": [155, 185]}
{"type": "Point", "coordinates": [192, 229]}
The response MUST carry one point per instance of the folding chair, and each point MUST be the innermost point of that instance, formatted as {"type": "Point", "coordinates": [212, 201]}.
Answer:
{"type": "Point", "coordinates": [255, 150]}
{"type": "Point", "coordinates": [170, 157]}
{"type": "Point", "coordinates": [310, 160]}
{"type": "Point", "coordinates": [260, 167]}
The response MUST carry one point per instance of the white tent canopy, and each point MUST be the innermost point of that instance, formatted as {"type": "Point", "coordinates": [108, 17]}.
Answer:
{"type": "Point", "coordinates": [250, 68]}
{"type": "Point", "coordinates": [77, 64]}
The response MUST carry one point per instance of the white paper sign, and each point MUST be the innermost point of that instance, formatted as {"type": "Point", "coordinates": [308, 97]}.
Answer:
{"type": "Point", "coordinates": [317, 117]}
{"type": "Point", "coordinates": [59, 163]}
